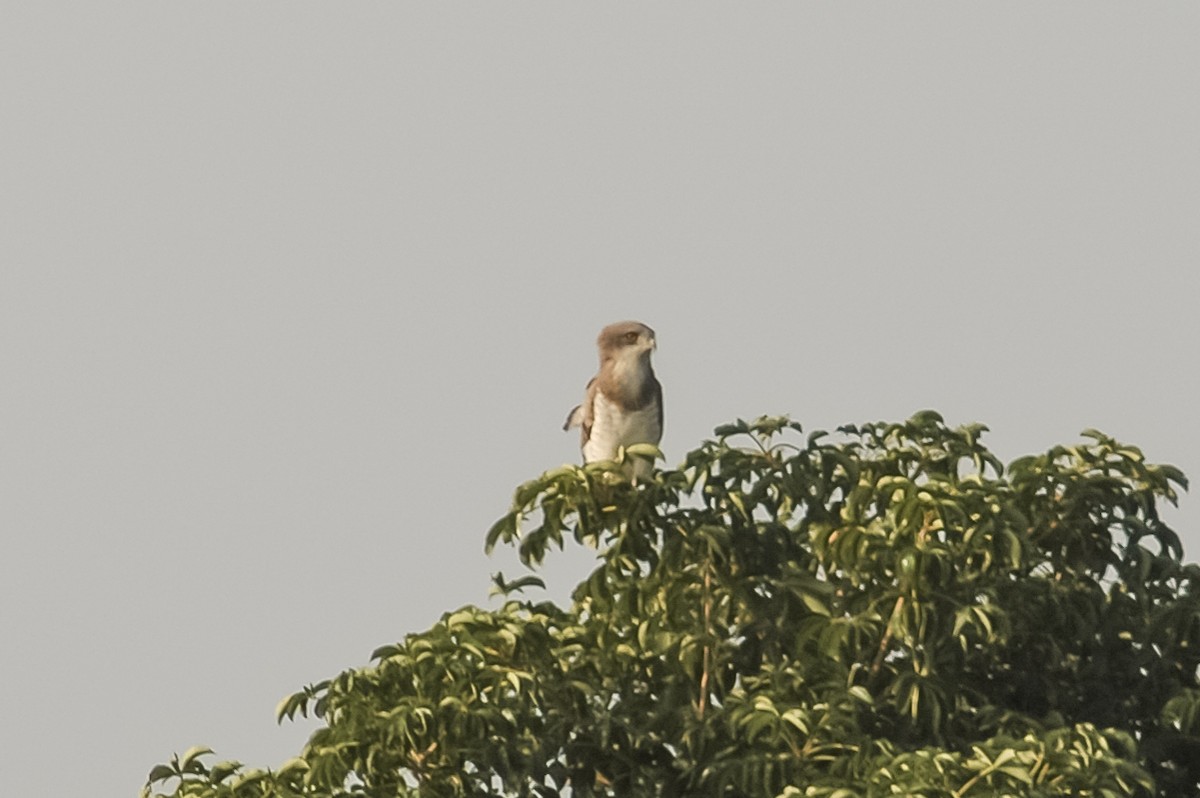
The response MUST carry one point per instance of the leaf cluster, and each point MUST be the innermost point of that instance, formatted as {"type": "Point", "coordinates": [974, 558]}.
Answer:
{"type": "Point", "coordinates": [882, 610]}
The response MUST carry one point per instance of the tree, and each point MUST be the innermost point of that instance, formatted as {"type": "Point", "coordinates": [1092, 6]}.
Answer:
{"type": "Point", "coordinates": [882, 611]}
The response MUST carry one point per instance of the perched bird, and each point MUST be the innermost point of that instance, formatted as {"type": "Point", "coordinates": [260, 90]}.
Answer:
{"type": "Point", "coordinates": [623, 402]}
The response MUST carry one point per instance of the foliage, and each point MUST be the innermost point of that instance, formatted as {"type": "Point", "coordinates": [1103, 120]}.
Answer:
{"type": "Point", "coordinates": [882, 611]}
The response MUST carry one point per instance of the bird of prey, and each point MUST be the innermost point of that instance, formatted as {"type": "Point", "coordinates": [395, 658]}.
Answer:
{"type": "Point", "coordinates": [623, 402]}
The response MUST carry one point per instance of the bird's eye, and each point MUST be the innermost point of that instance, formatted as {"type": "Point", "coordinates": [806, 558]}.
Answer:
{"type": "Point", "coordinates": [631, 337]}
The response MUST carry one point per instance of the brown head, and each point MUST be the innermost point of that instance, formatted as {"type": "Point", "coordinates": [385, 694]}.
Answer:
{"type": "Point", "coordinates": [625, 339]}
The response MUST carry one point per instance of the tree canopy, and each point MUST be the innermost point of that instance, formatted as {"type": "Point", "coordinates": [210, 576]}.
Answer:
{"type": "Point", "coordinates": [883, 610]}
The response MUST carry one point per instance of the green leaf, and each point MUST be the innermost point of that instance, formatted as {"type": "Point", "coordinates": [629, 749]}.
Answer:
{"type": "Point", "coordinates": [860, 693]}
{"type": "Point", "coordinates": [815, 603]}
{"type": "Point", "coordinates": [926, 418]}
{"type": "Point", "coordinates": [505, 529]}
{"type": "Point", "coordinates": [189, 763]}
{"type": "Point", "coordinates": [160, 773]}
{"type": "Point", "coordinates": [248, 778]}
{"type": "Point", "coordinates": [384, 652]}
{"type": "Point", "coordinates": [223, 770]}
{"type": "Point", "coordinates": [516, 586]}
{"type": "Point", "coordinates": [645, 450]}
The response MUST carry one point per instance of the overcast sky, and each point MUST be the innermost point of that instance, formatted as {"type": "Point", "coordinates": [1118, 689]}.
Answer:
{"type": "Point", "coordinates": [293, 295]}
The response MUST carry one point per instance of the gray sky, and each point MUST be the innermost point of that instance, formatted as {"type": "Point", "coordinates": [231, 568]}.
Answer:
{"type": "Point", "coordinates": [294, 294]}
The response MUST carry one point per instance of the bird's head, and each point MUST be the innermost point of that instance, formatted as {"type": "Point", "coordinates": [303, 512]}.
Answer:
{"type": "Point", "coordinates": [626, 340]}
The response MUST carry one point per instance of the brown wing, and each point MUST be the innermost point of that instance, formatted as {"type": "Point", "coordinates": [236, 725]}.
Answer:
{"type": "Point", "coordinates": [658, 401]}
{"type": "Point", "coordinates": [581, 415]}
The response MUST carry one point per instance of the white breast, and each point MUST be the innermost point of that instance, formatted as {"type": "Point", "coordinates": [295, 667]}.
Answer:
{"type": "Point", "coordinates": [613, 427]}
